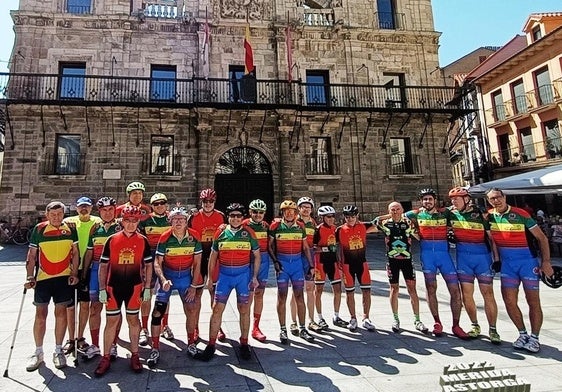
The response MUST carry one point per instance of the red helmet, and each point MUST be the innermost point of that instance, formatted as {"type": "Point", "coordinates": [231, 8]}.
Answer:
{"type": "Point", "coordinates": [131, 212]}
{"type": "Point", "coordinates": [458, 191]}
{"type": "Point", "coordinates": [208, 194]}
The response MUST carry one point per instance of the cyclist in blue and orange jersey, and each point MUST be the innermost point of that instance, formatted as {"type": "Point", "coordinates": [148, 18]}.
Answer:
{"type": "Point", "coordinates": [398, 232]}
{"type": "Point", "coordinates": [125, 255]}
{"type": "Point", "coordinates": [474, 259]}
{"type": "Point", "coordinates": [109, 226]}
{"type": "Point", "coordinates": [135, 194]}
{"type": "Point", "coordinates": [431, 224]}
{"type": "Point", "coordinates": [206, 221]}
{"type": "Point", "coordinates": [515, 233]}
{"type": "Point", "coordinates": [260, 228]}
{"type": "Point", "coordinates": [53, 248]}
{"type": "Point", "coordinates": [351, 239]}
{"type": "Point", "coordinates": [177, 266]}
{"type": "Point", "coordinates": [287, 247]}
{"type": "Point", "coordinates": [305, 206]}
{"type": "Point", "coordinates": [233, 250]}
{"type": "Point", "coordinates": [153, 227]}
{"type": "Point", "coordinates": [326, 262]}
{"type": "Point", "coordinates": [84, 223]}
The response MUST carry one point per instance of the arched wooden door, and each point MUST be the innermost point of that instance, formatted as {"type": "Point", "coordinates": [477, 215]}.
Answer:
{"type": "Point", "coordinates": [243, 174]}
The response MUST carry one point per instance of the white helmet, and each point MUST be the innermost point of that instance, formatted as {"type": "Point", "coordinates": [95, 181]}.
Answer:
{"type": "Point", "coordinates": [304, 200]}
{"type": "Point", "coordinates": [326, 210]}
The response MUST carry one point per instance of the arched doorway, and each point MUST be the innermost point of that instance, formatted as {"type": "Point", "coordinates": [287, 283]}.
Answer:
{"type": "Point", "coordinates": [243, 174]}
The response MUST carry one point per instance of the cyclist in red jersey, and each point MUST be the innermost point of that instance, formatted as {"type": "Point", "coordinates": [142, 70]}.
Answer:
{"type": "Point", "coordinates": [206, 221]}
{"type": "Point", "coordinates": [125, 255]}
{"type": "Point", "coordinates": [153, 227]}
{"type": "Point", "coordinates": [54, 247]}
{"type": "Point", "coordinates": [109, 226]}
{"type": "Point", "coordinates": [351, 238]}
{"type": "Point", "coordinates": [135, 194]}
{"type": "Point", "coordinates": [325, 262]}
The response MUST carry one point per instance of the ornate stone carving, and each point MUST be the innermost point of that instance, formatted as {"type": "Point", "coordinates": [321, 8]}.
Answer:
{"type": "Point", "coordinates": [240, 9]}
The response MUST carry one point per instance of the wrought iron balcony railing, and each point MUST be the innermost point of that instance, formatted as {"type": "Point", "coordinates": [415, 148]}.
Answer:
{"type": "Point", "coordinates": [325, 164]}
{"type": "Point", "coordinates": [400, 164]}
{"type": "Point", "coordinates": [389, 20]}
{"type": "Point", "coordinates": [528, 153]}
{"type": "Point", "coordinates": [63, 164]}
{"type": "Point", "coordinates": [225, 93]}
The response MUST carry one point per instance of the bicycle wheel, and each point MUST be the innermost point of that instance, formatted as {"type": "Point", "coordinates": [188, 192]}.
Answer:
{"type": "Point", "coordinates": [20, 237]}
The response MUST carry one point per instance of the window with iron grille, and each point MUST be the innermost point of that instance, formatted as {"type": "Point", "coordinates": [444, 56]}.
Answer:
{"type": "Point", "coordinates": [67, 157]}
{"type": "Point", "coordinates": [162, 155]}
{"type": "Point", "coordinates": [320, 160]}
{"type": "Point", "coordinates": [402, 161]}
{"type": "Point", "coordinates": [317, 87]}
{"type": "Point", "coordinates": [386, 14]}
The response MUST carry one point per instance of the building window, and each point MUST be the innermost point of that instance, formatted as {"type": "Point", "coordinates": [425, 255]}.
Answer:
{"type": "Point", "coordinates": [68, 159]}
{"type": "Point", "coordinates": [162, 155]}
{"type": "Point", "coordinates": [394, 84]}
{"type": "Point", "coordinates": [527, 146]}
{"type": "Point", "coordinates": [519, 98]}
{"type": "Point", "coordinates": [402, 161]}
{"type": "Point", "coordinates": [72, 80]}
{"type": "Point", "coordinates": [544, 87]}
{"type": "Point", "coordinates": [386, 14]}
{"type": "Point", "coordinates": [553, 139]}
{"type": "Point", "coordinates": [498, 106]}
{"type": "Point", "coordinates": [317, 88]}
{"type": "Point", "coordinates": [536, 33]}
{"type": "Point", "coordinates": [163, 83]}
{"type": "Point", "coordinates": [79, 6]}
{"type": "Point", "coordinates": [243, 88]}
{"type": "Point", "coordinates": [320, 159]}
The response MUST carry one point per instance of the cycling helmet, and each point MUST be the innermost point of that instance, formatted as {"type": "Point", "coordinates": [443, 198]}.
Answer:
{"type": "Point", "coordinates": [555, 280]}
{"type": "Point", "coordinates": [427, 191]}
{"type": "Point", "coordinates": [177, 211]}
{"type": "Point", "coordinates": [131, 212]}
{"type": "Point", "coordinates": [208, 194]}
{"type": "Point", "coordinates": [304, 200]}
{"type": "Point", "coordinates": [233, 207]}
{"type": "Point", "coordinates": [157, 197]}
{"type": "Point", "coordinates": [350, 210]}
{"type": "Point", "coordinates": [258, 205]}
{"type": "Point", "coordinates": [326, 210]}
{"type": "Point", "coordinates": [135, 185]}
{"type": "Point", "coordinates": [106, 201]}
{"type": "Point", "coordinates": [287, 204]}
{"type": "Point", "coordinates": [458, 191]}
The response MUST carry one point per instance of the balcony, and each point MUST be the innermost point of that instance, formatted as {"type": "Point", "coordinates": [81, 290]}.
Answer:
{"type": "Point", "coordinates": [324, 164]}
{"type": "Point", "coordinates": [528, 154]}
{"type": "Point", "coordinates": [166, 9]}
{"type": "Point", "coordinates": [403, 164]}
{"type": "Point", "coordinates": [543, 96]}
{"type": "Point", "coordinates": [318, 17]}
{"type": "Point", "coordinates": [518, 106]}
{"type": "Point", "coordinates": [222, 93]}
{"type": "Point", "coordinates": [389, 21]}
{"type": "Point", "coordinates": [498, 114]}
{"type": "Point", "coordinates": [63, 164]}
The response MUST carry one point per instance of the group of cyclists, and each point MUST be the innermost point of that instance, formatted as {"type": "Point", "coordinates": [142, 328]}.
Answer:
{"type": "Point", "coordinates": [136, 251]}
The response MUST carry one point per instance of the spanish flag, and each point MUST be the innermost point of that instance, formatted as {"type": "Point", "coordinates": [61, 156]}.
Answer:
{"type": "Point", "coordinates": [248, 53]}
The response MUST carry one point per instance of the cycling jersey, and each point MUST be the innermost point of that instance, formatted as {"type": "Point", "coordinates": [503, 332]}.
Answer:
{"type": "Point", "coordinates": [54, 245]}
{"type": "Point", "coordinates": [153, 227]}
{"type": "Point", "coordinates": [288, 239]}
{"type": "Point", "coordinates": [353, 241]}
{"type": "Point", "coordinates": [397, 237]}
{"type": "Point", "coordinates": [178, 254]}
{"type": "Point", "coordinates": [261, 236]}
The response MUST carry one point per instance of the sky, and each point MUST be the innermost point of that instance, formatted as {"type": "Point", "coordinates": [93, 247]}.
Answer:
{"type": "Point", "coordinates": [465, 25]}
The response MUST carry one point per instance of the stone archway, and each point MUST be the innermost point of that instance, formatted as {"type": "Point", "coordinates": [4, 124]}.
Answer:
{"type": "Point", "coordinates": [243, 174]}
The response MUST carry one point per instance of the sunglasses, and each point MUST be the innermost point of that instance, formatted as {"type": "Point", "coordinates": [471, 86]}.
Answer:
{"type": "Point", "coordinates": [257, 212]}
{"type": "Point", "coordinates": [350, 216]}
{"type": "Point", "coordinates": [235, 215]}
{"type": "Point", "coordinates": [159, 203]}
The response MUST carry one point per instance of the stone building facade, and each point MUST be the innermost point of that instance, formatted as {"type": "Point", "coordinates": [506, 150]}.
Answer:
{"type": "Point", "coordinates": [344, 107]}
